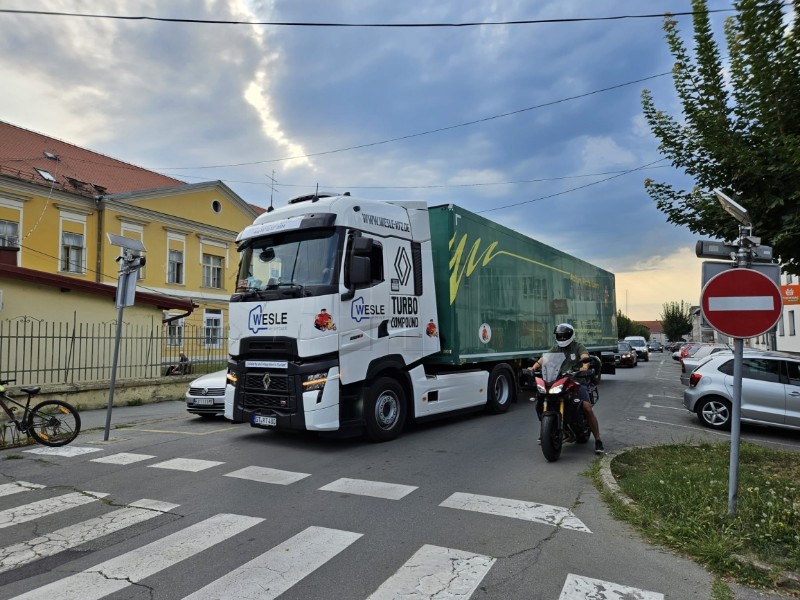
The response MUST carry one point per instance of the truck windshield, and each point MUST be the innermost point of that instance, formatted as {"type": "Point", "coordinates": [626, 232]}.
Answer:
{"type": "Point", "coordinates": [298, 263]}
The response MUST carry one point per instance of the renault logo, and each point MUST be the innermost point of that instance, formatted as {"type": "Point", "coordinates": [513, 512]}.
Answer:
{"type": "Point", "coordinates": [266, 381]}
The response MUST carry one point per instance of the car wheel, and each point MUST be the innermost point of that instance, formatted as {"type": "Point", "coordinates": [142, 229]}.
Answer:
{"type": "Point", "coordinates": [715, 412]}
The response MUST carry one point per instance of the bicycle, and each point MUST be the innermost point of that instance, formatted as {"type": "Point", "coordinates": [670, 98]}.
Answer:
{"type": "Point", "coordinates": [50, 423]}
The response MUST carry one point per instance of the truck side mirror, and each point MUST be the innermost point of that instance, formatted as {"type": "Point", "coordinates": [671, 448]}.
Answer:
{"type": "Point", "coordinates": [360, 270]}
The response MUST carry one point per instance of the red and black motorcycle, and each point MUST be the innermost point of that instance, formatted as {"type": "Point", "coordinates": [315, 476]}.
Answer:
{"type": "Point", "coordinates": [562, 416]}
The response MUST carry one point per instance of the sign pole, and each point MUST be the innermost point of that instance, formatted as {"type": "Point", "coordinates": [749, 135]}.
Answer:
{"type": "Point", "coordinates": [733, 476]}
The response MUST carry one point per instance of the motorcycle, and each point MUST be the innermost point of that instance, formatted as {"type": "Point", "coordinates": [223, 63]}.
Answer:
{"type": "Point", "coordinates": [562, 416]}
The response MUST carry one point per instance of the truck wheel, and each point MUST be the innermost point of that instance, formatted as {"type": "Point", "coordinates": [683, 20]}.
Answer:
{"type": "Point", "coordinates": [385, 410]}
{"type": "Point", "coordinates": [551, 437]}
{"type": "Point", "coordinates": [501, 390]}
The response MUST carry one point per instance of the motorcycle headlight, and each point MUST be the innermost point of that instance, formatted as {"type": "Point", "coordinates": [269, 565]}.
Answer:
{"type": "Point", "coordinates": [557, 389]}
{"type": "Point", "coordinates": [315, 381]}
{"type": "Point", "coordinates": [541, 389]}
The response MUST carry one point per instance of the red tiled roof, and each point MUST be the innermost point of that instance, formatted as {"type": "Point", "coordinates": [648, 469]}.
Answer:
{"type": "Point", "coordinates": [75, 169]}
{"type": "Point", "coordinates": [653, 326]}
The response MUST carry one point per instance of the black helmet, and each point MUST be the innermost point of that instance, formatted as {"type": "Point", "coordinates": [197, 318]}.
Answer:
{"type": "Point", "coordinates": [564, 334]}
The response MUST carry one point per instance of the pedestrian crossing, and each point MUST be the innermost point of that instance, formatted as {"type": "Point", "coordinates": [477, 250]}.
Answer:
{"type": "Point", "coordinates": [429, 571]}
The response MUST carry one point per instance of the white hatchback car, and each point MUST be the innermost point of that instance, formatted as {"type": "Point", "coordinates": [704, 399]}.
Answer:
{"type": "Point", "coordinates": [770, 390]}
{"type": "Point", "coordinates": [206, 394]}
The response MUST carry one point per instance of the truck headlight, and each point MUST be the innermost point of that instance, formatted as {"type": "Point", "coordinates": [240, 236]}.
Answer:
{"type": "Point", "coordinates": [315, 381]}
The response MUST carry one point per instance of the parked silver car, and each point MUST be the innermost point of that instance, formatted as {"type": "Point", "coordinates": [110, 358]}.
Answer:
{"type": "Point", "coordinates": [689, 363]}
{"type": "Point", "coordinates": [206, 394]}
{"type": "Point", "coordinates": [770, 390]}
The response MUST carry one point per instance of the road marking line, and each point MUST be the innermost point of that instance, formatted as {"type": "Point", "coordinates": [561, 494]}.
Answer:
{"type": "Point", "coordinates": [41, 508]}
{"type": "Point", "coordinates": [186, 464]}
{"type": "Point", "coordinates": [6, 489]}
{"type": "Point", "coordinates": [271, 574]}
{"type": "Point", "coordinates": [517, 509]}
{"type": "Point", "coordinates": [134, 566]}
{"type": "Point", "coordinates": [362, 487]}
{"type": "Point", "coordinates": [668, 397]}
{"type": "Point", "coordinates": [436, 572]}
{"type": "Point", "coordinates": [185, 432]}
{"type": "Point", "coordinates": [68, 451]}
{"type": "Point", "coordinates": [577, 587]}
{"type": "Point", "coordinates": [122, 458]}
{"type": "Point", "coordinates": [57, 541]}
{"type": "Point", "coordinates": [267, 475]}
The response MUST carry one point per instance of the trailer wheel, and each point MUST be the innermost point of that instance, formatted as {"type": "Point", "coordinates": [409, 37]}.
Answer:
{"type": "Point", "coordinates": [385, 409]}
{"type": "Point", "coordinates": [501, 390]}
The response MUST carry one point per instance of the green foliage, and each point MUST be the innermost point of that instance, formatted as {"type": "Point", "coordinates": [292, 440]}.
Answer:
{"type": "Point", "coordinates": [741, 135]}
{"type": "Point", "coordinates": [681, 500]}
{"type": "Point", "coordinates": [676, 319]}
{"type": "Point", "coordinates": [626, 327]}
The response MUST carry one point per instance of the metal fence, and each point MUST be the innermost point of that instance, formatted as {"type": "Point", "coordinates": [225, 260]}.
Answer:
{"type": "Point", "coordinates": [36, 352]}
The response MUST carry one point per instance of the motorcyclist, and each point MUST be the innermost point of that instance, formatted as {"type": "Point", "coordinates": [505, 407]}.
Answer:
{"type": "Point", "coordinates": [573, 352]}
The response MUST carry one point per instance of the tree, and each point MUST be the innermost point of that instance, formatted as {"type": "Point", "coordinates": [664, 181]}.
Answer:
{"type": "Point", "coordinates": [676, 319]}
{"type": "Point", "coordinates": [741, 133]}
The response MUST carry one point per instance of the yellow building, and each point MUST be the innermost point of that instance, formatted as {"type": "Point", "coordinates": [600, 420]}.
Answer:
{"type": "Point", "coordinates": [59, 202]}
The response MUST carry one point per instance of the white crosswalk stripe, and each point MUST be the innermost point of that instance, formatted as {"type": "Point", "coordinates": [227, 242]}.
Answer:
{"type": "Point", "coordinates": [68, 451]}
{"type": "Point", "coordinates": [363, 487]}
{"type": "Point", "coordinates": [586, 588]}
{"type": "Point", "coordinates": [6, 489]}
{"type": "Point", "coordinates": [436, 572]}
{"type": "Point", "coordinates": [269, 575]}
{"type": "Point", "coordinates": [35, 510]}
{"type": "Point", "coordinates": [266, 475]}
{"type": "Point", "coordinates": [134, 566]}
{"type": "Point", "coordinates": [517, 509]}
{"type": "Point", "coordinates": [75, 535]}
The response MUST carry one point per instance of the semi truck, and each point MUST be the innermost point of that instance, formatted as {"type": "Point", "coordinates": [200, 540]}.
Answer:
{"type": "Point", "coordinates": [353, 315]}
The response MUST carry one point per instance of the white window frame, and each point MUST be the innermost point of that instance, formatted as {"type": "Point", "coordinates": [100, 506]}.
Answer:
{"type": "Point", "coordinates": [174, 239]}
{"type": "Point", "coordinates": [209, 270]}
{"type": "Point", "coordinates": [67, 217]}
{"type": "Point", "coordinates": [6, 237]}
{"type": "Point", "coordinates": [213, 328]}
{"type": "Point", "coordinates": [175, 333]}
{"type": "Point", "coordinates": [15, 205]}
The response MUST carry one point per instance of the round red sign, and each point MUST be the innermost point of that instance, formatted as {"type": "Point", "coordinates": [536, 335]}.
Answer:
{"type": "Point", "coordinates": [741, 303]}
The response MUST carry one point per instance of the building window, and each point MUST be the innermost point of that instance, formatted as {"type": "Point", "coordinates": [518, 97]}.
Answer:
{"type": "Point", "coordinates": [212, 271]}
{"type": "Point", "coordinates": [212, 328]}
{"type": "Point", "coordinates": [46, 175]}
{"type": "Point", "coordinates": [9, 234]}
{"type": "Point", "coordinates": [781, 331]}
{"type": "Point", "coordinates": [72, 252]}
{"type": "Point", "coordinates": [175, 333]}
{"type": "Point", "coordinates": [791, 322]}
{"type": "Point", "coordinates": [175, 267]}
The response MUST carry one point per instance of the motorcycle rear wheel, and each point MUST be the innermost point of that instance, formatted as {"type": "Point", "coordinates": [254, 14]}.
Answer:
{"type": "Point", "coordinates": [552, 437]}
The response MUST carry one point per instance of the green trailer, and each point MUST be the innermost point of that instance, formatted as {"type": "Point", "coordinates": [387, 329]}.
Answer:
{"type": "Point", "coordinates": [500, 294]}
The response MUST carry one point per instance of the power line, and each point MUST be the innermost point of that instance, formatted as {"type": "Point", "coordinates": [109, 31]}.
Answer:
{"type": "Point", "coordinates": [365, 25]}
{"type": "Point", "coordinates": [422, 133]}
{"type": "Point", "coordinates": [580, 187]}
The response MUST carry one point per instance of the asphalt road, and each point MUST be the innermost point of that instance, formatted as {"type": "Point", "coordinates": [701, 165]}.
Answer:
{"type": "Point", "coordinates": [465, 507]}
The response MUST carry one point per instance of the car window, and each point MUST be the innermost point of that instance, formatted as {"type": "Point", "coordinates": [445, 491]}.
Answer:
{"type": "Point", "coordinates": [794, 372]}
{"type": "Point", "coordinates": [760, 369]}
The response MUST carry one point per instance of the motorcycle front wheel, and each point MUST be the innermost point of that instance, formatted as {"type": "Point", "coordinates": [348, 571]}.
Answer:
{"type": "Point", "coordinates": [551, 437]}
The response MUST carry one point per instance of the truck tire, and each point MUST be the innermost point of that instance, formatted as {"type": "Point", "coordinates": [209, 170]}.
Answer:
{"type": "Point", "coordinates": [385, 409]}
{"type": "Point", "coordinates": [501, 391]}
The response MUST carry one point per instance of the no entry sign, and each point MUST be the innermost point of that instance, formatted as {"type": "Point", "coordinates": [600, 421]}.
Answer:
{"type": "Point", "coordinates": [741, 303]}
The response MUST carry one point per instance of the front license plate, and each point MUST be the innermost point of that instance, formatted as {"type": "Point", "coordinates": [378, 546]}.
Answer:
{"type": "Point", "coordinates": [268, 421]}
{"type": "Point", "coordinates": [204, 401]}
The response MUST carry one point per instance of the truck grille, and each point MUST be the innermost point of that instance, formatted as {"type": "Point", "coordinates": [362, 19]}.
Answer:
{"type": "Point", "coordinates": [279, 393]}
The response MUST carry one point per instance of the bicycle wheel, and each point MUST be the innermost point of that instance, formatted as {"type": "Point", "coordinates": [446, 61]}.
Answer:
{"type": "Point", "coordinates": [54, 423]}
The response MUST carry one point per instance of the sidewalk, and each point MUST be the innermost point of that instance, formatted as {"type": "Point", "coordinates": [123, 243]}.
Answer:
{"type": "Point", "coordinates": [128, 415]}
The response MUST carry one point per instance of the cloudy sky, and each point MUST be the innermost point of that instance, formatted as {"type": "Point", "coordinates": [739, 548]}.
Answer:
{"type": "Point", "coordinates": [537, 126]}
